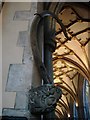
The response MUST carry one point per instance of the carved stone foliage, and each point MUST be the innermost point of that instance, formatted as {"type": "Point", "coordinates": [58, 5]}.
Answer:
{"type": "Point", "coordinates": [43, 99]}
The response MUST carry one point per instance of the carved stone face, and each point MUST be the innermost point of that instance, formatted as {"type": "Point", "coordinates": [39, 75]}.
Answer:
{"type": "Point", "coordinates": [43, 99]}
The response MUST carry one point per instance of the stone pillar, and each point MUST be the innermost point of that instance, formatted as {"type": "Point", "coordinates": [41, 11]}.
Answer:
{"type": "Point", "coordinates": [71, 108]}
{"type": "Point", "coordinates": [80, 107]}
{"type": "Point", "coordinates": [49, 48]}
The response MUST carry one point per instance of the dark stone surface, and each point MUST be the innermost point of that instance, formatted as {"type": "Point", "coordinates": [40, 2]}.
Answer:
{"type": "Point", "coordinates": [43, 99]}
{"type": "Point", "coordinates": [13, 118]}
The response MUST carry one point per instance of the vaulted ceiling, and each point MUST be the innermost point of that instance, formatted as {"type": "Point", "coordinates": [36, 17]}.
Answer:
{"type": "Point", "coordinates": [71, 58]}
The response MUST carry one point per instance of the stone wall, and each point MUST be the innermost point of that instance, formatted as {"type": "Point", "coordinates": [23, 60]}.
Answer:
{"type": "Point", "coordinates": [19, 70]}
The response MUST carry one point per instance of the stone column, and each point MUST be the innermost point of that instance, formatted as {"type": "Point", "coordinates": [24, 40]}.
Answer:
{"type": "Point", "coordinates": [80, 107]}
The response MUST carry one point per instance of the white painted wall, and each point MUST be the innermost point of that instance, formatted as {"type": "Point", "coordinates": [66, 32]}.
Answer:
{"type": "Point", "coordinates": [11, 54]}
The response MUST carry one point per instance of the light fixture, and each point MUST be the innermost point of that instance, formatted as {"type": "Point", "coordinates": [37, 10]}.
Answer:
{"type": "Point", "coordinates": [68, 115]}
{"type": "Point", "coordinates": [76, 104]}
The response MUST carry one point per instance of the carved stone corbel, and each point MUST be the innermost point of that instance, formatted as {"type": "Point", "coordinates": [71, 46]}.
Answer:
{"type": "Point", "coordinates": [43, 99]}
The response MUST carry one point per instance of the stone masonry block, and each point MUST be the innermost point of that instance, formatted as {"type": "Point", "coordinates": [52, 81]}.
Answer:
{"type": "Point", "coordinates": [22, 15]}
{"type": "Point", "coordinates": [20, 113]}
{"type": "Point", "coordinates": [16, 112]}
{"type": "Point", "coordinates": [19, 77]}
{"type": "Point", "coordinates": [26, 14]}
{"type": "Point", "coordinates": [23, 39]}
{"type": "Point", "coordinates": [21, 100]}
{"type": "Point", "coordinates": [27, 55]}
